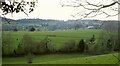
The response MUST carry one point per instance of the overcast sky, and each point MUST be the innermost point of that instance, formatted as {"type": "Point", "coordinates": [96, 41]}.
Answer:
{"type": "Point", "coordinates": [51, 9]}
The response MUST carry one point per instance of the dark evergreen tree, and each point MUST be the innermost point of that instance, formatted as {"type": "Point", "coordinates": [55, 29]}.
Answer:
{"type": "Point", "coordinates": [32, 29]}
{"type": "Point", "coordinates": [81, 45]}
{"type": "Point", "coordinates": [15, 29]}
{"type": "Point", "coordinates": [109, 44]}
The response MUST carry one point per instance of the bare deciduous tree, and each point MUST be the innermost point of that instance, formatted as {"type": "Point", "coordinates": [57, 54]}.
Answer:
{"type": "Point", "coordinates": [93, 8]}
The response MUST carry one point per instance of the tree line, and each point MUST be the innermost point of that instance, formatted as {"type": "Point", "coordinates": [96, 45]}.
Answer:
{"type": "Point", "coordinates": [29, 45]}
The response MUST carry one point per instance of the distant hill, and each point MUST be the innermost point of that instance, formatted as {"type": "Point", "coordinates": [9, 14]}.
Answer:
{"type": "Point", "coordinates": [50, 20]}
{"type": "Point", "coordinates": [49, 24]}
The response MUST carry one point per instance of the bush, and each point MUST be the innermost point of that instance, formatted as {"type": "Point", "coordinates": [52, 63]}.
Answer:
{"type": "Point", "coordinates": [32, 29]}
{"type": "Point", "coordinates": [92, 39]}
{"type": "Point", "coordinates": [116, 47]}
{"type": "Point", "coordinates": [15, 29]}
{"type": "Point", "coordinates": [93, 49]}
{"type": "Point", "coordinates": [52, 48]}
{"type": "Point", "coordinates": [26, 45]}
{"type": "Point", "coordinates": [109, 44]}
{"type": "Point", "coordinates": [81, 46]}
{"type": "Point", "coordinates": [99, 48]}
{"type": "Point", "coordinates": [40, 47]}
{"type": "Point", "coordinates": [68, 46]}
{"type": "Point", "coordinates": [20, 49]}
{"type": "Point", "coordinates": [35, 47]}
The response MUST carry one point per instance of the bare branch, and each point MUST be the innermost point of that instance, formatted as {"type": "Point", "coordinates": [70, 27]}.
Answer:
{"type": "Point", "coordinates": [94, 8]}
{"type": "Point", "coordinates": [93, 4]}
{"type": "Point", "coordinates": [87, 14]}
{"type": "Point", "coordinates": [118, 2]}
{"type": "Point", "coordinates": [105, 6]}
{"type": "Point", "coordinates": [108, 15]}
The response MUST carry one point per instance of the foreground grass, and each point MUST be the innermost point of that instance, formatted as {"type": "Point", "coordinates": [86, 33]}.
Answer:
{"type": "Point", "coordinates": [101, 59]}
{"type": "Point", "coordinates": [65, 59]}
{"type": "Point", "coordinates": [41, 58]}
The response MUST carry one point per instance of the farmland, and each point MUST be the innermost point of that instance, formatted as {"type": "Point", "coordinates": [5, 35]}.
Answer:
{"type": "Point", "coordinates": [58, 38]}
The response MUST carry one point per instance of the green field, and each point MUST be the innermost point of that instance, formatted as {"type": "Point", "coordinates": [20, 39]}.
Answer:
{"type": "Point", "coordinates": [75, 58]}
{"type": "Point", "coordinates": [60, 35]}
{"type": "Point", "coordinates": [58, 38]}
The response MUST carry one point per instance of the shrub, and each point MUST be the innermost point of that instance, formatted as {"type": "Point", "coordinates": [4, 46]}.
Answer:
{"type": "Point", "coordinates": [109, 44]}
{"type": "Point", "coordinates": [68, 46]}
{"type": "Point", "coordinates": [32, 29]}
{"type": "Point", "coordinates": [93, 49]}
{"type": "Point", "coordinates": [92, 39]}
{"type": "Point", "coordinates": [116, 47]}
{"type": "Point", "coordinates": [26, 47]}
{"type": "Point", "coordinates": [52, 48]}
{"type": "Point", "coordinates": [86, 48]}
{"type": "Point", "coordinates": [26, 44]}
{"type": "Point", "coordinates": [15, 29]}
{"type": "Point", "coordinates": [41, 47]}
{"type": "Point", "coordinates": [99, 48]}
{"type": "Point", "coordinates": [81, 46]}
{"type": "Point", "coordinates": [20, 49]}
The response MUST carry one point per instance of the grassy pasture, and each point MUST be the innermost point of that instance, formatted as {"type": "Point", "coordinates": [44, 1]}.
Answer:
{"type": "Point", "coordinates": [57, 37]}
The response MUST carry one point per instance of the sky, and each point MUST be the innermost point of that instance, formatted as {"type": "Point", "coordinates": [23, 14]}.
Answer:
{"type": "Point", "coordinates": [52, 9]}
